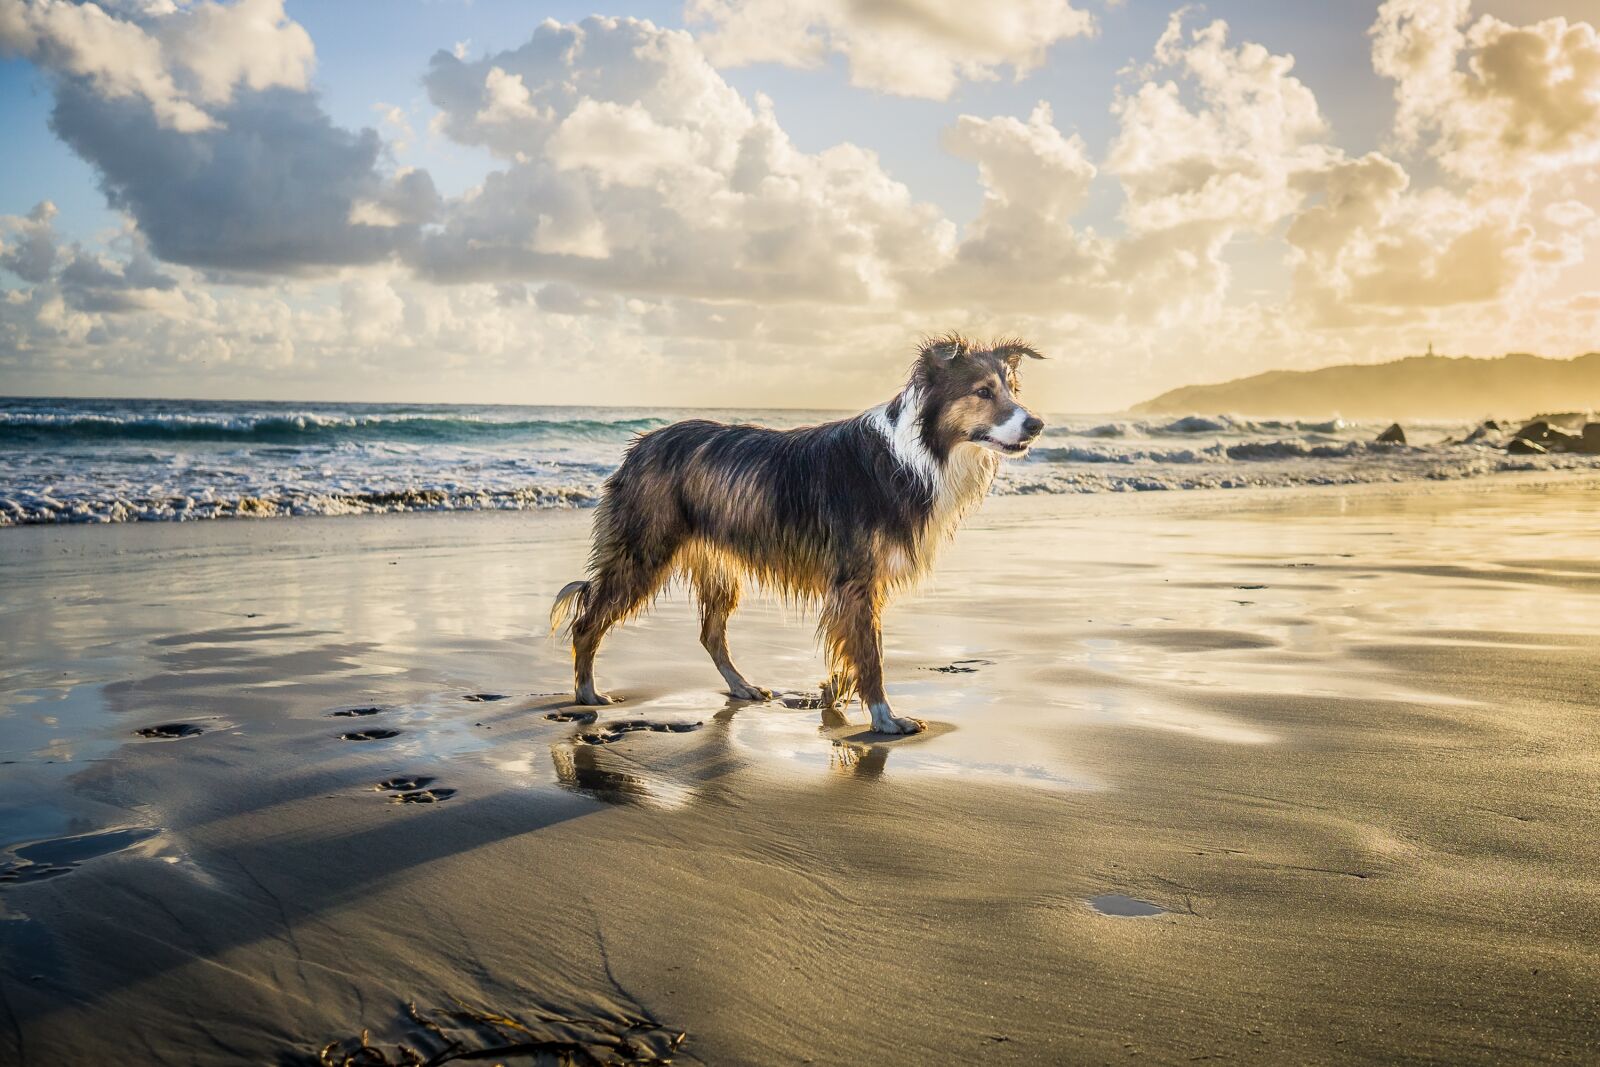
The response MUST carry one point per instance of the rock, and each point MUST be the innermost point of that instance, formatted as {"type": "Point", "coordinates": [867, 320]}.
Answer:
{"type": "Point", "coordinates": [1591, 438]}
{"type": "Point", "coordinates": [1394, 435]}
{"type": "Point", "coordinates": [1490, 429]}
{"type": "Point", "coordinates": [1562, 441]}
{"type": "Point", "coordinates": [1521, 446]}
{"type": "Point", "coordinates": [1490, 424]}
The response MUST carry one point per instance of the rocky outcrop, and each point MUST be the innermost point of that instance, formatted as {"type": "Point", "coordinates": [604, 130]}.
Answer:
{"type": "Point", "coordinates": [1545, 432]}
{"type": "Point", "coordinates": [1394, 435]}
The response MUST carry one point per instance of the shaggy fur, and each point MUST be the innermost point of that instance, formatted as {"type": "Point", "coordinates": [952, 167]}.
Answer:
{"type": "Point", "coordinates": [838, 515]}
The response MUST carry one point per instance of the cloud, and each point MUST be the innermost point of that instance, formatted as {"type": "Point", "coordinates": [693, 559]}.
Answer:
{"type": "Point", "coordinates": [506, 99]}
{"type": "Point", "coordinates": [1501, 108]}
{"type": "Point", "coordinates": [200, 127]}
{"type": "Point", "coordinates": [1209, 145]}
{"type": "Point", "coordinates": [1228, 159]}
{"type": "Point", "coordinates": [909, 47]}
{"type": "Point", "coordinates": [28, 242]}
{"type": "Point", "coordinates": [559, 298]}
{"type": "Point", "coordinates": [274, 188]}
{"type": "Point", "coordinates": [1491, 101]}
{"type": "Point", "coordinates": [632, 166]}
{"type": "Point", "coordinates": [85, 280]}
{"type": "Point", "coordinates": [1372, 245]}
{"type": "Point", "coordinates": [180, 64]}
{"type": "Point", "coordinates": [1023, 247]}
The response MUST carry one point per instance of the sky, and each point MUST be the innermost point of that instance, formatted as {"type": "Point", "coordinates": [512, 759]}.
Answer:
{"type": "Point", "coordinates": [730, 203]}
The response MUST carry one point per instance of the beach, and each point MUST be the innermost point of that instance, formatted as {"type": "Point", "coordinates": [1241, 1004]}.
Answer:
{"type": "Point", "coordinates": [1294, 775]}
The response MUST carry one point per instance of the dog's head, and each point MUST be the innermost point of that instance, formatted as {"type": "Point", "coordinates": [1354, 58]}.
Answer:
{"type": "Point", "coordinates": [969, 396]}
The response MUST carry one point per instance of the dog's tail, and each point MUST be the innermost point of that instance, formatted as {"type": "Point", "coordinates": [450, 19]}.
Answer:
{"type": "Point", "coordinates": [570, 602]}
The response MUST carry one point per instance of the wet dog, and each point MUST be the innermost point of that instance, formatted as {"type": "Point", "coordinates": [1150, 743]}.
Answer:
{"type": "Point", "coordinates": [840, 515]}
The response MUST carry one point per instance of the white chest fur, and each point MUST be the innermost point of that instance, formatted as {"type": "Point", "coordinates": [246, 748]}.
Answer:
{"type": "Point", "coordinates": [957, 484]}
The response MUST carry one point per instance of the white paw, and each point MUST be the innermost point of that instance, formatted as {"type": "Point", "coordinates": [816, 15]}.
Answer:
{"type": "Point", "coordinates": [885, 722]}
{"type": "Point", "coordinates": [749, 692]}
{"type": "Point", "coordinates": [594, 699]}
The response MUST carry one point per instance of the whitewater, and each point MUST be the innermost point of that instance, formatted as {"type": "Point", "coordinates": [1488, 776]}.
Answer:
{"type": "Point", "coordinates": [73, 460]}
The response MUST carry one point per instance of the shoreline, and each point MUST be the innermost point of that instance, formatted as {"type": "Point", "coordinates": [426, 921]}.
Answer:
{"type": "Point", "coordinates": [1198, 501]}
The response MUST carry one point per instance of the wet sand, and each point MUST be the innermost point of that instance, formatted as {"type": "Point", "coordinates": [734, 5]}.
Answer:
{"type": "Point", "coordinates": [1297, 776]}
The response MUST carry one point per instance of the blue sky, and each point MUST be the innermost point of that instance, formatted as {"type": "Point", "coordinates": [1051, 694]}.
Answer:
{"type": "Point", "coordinates": [1249, 288]}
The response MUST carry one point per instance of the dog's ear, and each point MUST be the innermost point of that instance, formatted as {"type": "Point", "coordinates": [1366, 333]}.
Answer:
{"type": "Point", "coordinates": [1014, 351]}
{"type": "Point", "coordinates": [939, 352]}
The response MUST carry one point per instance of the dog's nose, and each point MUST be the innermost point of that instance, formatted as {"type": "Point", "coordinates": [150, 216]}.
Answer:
{"type": "Point", "coordinates": [1032, 425]}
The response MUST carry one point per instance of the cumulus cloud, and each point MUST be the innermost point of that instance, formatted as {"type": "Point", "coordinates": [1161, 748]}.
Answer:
{"type": "Point", "coordinates": [200, 126]}
{"type": "Point", "coordinates": [1230, 157]}
{"type": "Point", "coordinates": [84, 279]}
{"type": "Point", "coordinates": [910, 47]}
{"type": "Point", "coordinates": [1501, 108]}
{"type": "Point", "coordinates": [1208, 145]}
{"type": "Point", "coordinates": [1370, 244]}
{"type": "Point", "coordinates": [1023, 247]}
{"type": "Point", "coordinates": [180, 63]}
{"type": "Point", "coordinates": [1491, 100]}
{"type": "Point", "coordinates": [28, 242]}
{"type": "Point", "coordinates": [633, 166]}
{"type": "Point", "coordinates": [275, 188]}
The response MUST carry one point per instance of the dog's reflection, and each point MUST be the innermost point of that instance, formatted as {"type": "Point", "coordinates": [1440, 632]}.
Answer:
{"type": "Point", "coordinates": [630, 777]}
{"type": "Point", "coordinates": [851, 757]}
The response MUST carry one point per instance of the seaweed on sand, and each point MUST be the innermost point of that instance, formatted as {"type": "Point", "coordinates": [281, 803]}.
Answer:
{"type": "Point", "coordinates": [465, 1034]}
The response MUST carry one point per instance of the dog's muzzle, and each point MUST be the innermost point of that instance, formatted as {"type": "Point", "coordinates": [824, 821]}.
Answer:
{"type": "Point", "coordinates": [1014, 436]}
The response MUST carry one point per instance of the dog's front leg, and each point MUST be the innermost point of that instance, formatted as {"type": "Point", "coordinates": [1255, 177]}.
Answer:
{"type": "Point", "coordinates": [856, 638]}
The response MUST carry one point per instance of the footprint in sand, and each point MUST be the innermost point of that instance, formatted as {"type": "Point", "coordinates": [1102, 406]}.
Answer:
{"type": "Point", "coordinates": [369, 735]}
{"type": "Point", "coordinates": [483, 698]}
{"type": "Point", "coordinates": [572, 716]}
{"type": "Point", "coordinates": [616, 730]}
{"type": "Point", "coordinates": [414, 790]}
{"type": "Point", "coordinates": [350, 713]}
{"type": "Point", "coordinates": [170, 731]}
{"type": "Point", "coordinates": [403, 784]}
{"type": "Point", "coordinates": [423, 796]}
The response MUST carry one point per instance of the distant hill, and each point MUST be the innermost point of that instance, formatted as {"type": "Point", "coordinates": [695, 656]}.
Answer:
{"type": "Point", "coordinates": [1416, 388]}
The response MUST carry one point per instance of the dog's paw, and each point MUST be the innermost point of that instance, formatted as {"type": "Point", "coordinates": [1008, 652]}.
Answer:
{"type": "Point", "coordinates": [593, 699]}
{"type": "Point", "coordinates": [884, 722]}
{"type": "Point", "coordinates": [749, 692]}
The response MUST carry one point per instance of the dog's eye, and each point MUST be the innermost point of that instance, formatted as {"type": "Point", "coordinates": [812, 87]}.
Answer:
{"type": "Point", "coordinates": [986, 393]}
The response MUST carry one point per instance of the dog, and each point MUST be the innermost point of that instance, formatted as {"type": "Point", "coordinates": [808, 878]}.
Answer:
{"type": "Point", "coordinates": [839, 515]}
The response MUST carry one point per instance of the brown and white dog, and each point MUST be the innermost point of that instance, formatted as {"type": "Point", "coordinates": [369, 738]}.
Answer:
{"type": "Point", "coordinates": [840, 515]}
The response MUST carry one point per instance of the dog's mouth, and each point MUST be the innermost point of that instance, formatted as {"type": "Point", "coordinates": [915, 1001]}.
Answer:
{"type": "Point", "coordinates": [1001, 446]}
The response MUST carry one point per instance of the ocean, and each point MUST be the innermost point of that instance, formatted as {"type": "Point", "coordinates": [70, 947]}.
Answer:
{"type": "Point", "coordinates": [103, 460]}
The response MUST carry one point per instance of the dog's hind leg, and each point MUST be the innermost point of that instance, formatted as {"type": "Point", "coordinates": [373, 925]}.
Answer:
{"type": "Point", "coordinates": [620, 587]}
{"type": "Point", "coordinates": [850, 626]}
{"type": "Point", "coordinates": [718, 593]}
